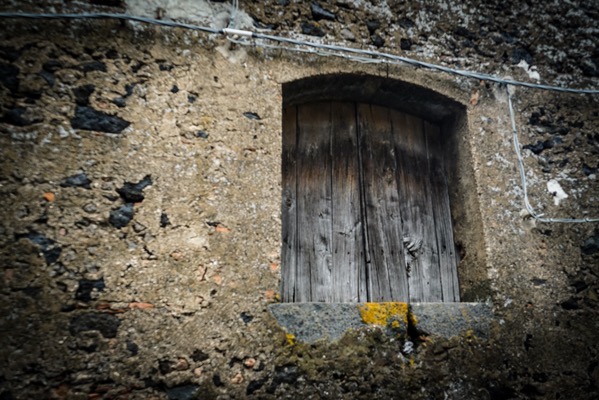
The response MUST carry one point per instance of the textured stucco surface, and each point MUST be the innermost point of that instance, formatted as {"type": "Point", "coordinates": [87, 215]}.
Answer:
{"type": "Point", "coordinates": [161, 290]}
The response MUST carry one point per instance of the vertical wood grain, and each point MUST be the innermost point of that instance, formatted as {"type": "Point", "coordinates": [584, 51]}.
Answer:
{"type": "Point", "coordinates": [365, 208]}
{"type": "Point", "coordinates": [442, 217]}
{"type": "Point", "coordinates": [418, 226]}
{"type": "Point", "coordinates": [386, 270]}
{"type": "Point", "coordinates": [314, 261]}
{"type": "Point", "coordinates": [349, 262]}
{"type": "Point", "coordinates": [289, 205]}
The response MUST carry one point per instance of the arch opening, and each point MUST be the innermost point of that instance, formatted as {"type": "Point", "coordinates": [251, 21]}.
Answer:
{"type": "Point", "coordinates": [375, 172]}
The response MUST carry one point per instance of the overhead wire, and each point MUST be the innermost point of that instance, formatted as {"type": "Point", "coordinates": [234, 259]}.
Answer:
{"type": "Point", "coordinates": [520, 163]}
{"type": "Point", "coordinates": [280, 39]}
{"type": "Point", "coordinates": [354, 54]}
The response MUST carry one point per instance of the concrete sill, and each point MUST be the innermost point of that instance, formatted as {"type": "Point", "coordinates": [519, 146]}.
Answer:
{"type": "Point", "coordinates": [310, 322]}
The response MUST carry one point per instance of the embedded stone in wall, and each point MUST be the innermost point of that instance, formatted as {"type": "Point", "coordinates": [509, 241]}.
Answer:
{"type": "Point", "coordinates": [9, 77]}
{"type": "Point", "coordinates": [591, 245]}
{"type": "Point", "coordinates": [49, 248]}
{"type": "Point", "coordinates": [120, 217]}
{"type": "Point", "coordinates": [87, 118]}
{"type": "Point", "coordinates": [319, 13]}
{"type": "Point", "coordinates": [133, 192]}
{"type": "Point", "coordinates": [20, 116]}
{"type": "Point", "coordinates": [77, 180]}
{"type": "Point", "coordinates": [106, 324]}
{"type": "Point", "coordinates": [82, 94]}
{"type": "Point", "coordinates": [87, 286]}
{"type": "Point", "coordinates": [308, 28]}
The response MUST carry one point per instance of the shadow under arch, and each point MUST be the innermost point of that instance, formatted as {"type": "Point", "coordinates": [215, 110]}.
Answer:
{"type": "Point", "coordinates": [393, 93]}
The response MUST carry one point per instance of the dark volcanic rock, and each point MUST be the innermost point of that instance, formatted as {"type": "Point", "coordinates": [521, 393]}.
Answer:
{"type": "Point", "coordinates": [309, 28]}
{"type": "Point", "coordinates": [82, 94]}
{"type": "Point", "coordinates": [78, 180]}
{"type": "Point", "coordinates": [283, 374]}
{"type": "Point", "coordinates": [120, 102]}
{"type": "Point", "coordinates": [540, 146]}
{"type": "Point", "coordinates": [377, 40]}
{"type": "Point", "coordinates": [48, 77]}
{"type": "Point", "coordinates": [93, 66]}
{"type": "Point", "coordinates": [93, 120]}
{"type": "Point", "coordinates": [165, 366]}
{"type": "Point", "coordinates": [217, 380]}
{"type": "Point", "coordinates": [16, 117]}
{"type": "Point", "coordinates": [570, 304]}
{"type": "Point", "coordinates": [199, 356]}
{"type": "Point", "coordinates": [86, 286]}
{"type": "Point", "coordinates": [164, 221]}
{"type": "Point", "coordinates": [251, 115]}
{"type": "Point", "coordinates": [120, 217]}
{"type": "Point", "coordinates": [185, 392]}
{"type": "Point", "coordinates": [133, 192]}
{"type": "Point", "coordinates": [112, 54]}
{"type": "Point", "coordinates": [405, 44]}
{"type": "Point", "coordinates": [319, 13]}
{"type": "Point", "coordinates": [465, 33]}
{"type": "Point", "coordinates": [254, 386]}
{"type": "Point", "coordinates": [588, 170]}
{"type": "Point", "coordinates": [591, 245]}
{"type": "Point", "coordinates": [520, 54]}
{"type": "Point", "coordinates": [52, 65]}
{"type": "Point", "coordinates": [246, 317]}
{"type": "Point", "coordinates": [590, 67]}
{"type": "Point", "coordinates": [132, 347]}
{"type": "Point", "coordinates": [9, 77]}
{"type": "Point", "coordinates": [372, 26]}
{"type": "Point", "coordinates": [49, 248]}
{"type": "Point", "coordinates": [406, 23]}
{"type": "Point", "coordinates": [106, 324]}
{"type": "Point", "coordinates": [9, 53]}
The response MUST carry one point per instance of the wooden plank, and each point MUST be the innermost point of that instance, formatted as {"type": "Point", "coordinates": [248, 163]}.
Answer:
{"type": "Point", "coordinates": [442, 214]}
{"type": "Point", "coordinates": [314, 280]}
{"type": "Point", "coordinates": [382, 220]}
{"type": "Point", "coordinates": [421, 256]}
{"type": "Point", "coordinates": [289, 205]}
{"type": "Point", "coordinates": [349, 260]}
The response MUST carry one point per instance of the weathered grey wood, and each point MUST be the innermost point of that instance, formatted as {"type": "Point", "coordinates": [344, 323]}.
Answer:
{"type": "Point", "coordinates": [441, 208]}
{"type": "Point", "coordinates": [416, 209]}
{"type": "Point", "coordinates": [364, 197]}
{"type": "Point", "coordinates": [349, 260]}
{"type": "Point", "coordinates": [386, 270]}
{"type": "Point", "coordinates": [314, 258]}
{"type": "Point", "coordinates": [289, 205]}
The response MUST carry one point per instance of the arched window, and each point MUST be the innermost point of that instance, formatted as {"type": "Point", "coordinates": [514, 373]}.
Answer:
{"type": "Point", "coordinates": [365, 208]}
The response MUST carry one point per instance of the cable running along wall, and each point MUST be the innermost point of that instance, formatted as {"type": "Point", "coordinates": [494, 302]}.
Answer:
{"type": "Point", "coordinates": [359, 55]}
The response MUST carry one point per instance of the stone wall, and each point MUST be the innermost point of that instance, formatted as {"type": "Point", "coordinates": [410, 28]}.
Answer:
{"type": "Point", "coordinates": [140, 182]}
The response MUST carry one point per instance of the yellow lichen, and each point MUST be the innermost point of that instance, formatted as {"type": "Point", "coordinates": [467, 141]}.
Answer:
{"type": "Point", "coordinates": [383, 314]}
{"type": "Point", "coordinates": [290, 339]}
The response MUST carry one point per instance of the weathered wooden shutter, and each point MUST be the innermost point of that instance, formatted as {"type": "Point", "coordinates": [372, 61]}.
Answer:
{"type": "Point", "coordinates": [365, 207]}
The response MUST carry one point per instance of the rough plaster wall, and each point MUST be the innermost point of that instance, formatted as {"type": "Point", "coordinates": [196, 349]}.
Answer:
{"type": "Point", "coordinates": [173, 304]}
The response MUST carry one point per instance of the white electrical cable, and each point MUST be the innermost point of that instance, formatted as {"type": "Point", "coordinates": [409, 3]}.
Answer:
{"type": "Point", "coordinates": [531, 211]}
{"type": "Point", "coordinates": [331, 48]}
{"type": "Point", "coordinates": [366, 56]}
